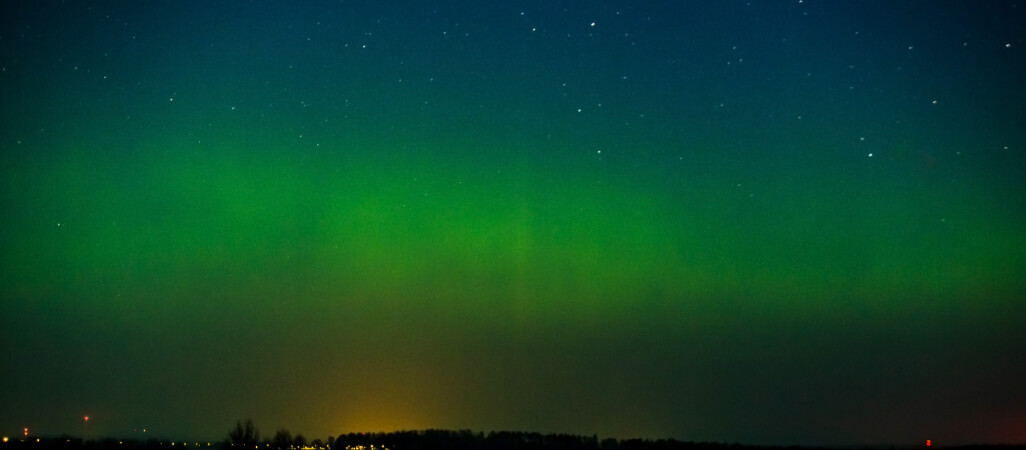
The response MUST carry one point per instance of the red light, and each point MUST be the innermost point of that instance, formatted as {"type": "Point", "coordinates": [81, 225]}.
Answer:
{"type": "Point", "coordinates": [26, 431]}
{"type": "Point", "coordinates": [86, 418]}
{"type": "Point", "coordinates": [928, 443]}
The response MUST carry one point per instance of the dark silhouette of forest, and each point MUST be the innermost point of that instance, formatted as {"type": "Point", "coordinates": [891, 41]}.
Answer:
{"type": "Point", "coordinates": [245, 435]}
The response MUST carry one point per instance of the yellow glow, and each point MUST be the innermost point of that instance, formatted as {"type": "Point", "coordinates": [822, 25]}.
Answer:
{"type": "Point", "coordinates": [5, 438]}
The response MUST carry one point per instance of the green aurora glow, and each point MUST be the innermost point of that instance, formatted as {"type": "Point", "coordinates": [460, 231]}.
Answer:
{"type": "Point", "coordinates": [566, 235]}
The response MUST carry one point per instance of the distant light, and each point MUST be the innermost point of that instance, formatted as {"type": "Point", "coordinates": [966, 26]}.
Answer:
{"type": "Point", "coordinates": [928, 443]}
{"type": "Point", "coordinates": [5, 438]}
{"type": "Point", "coordinates": [26, 431]}
{"type": "Point", "coordinates": [86, 418]}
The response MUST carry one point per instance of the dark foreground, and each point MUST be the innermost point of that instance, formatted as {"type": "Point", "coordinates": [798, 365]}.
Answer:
{"type": "Point", "coordinates": [438, 440]}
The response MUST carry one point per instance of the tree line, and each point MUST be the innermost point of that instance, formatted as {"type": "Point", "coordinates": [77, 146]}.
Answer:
{"type": "Point", "coordinates": [245, 436]}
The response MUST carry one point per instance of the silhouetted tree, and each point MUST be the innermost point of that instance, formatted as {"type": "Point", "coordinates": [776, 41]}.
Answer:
{"type": "Point", "coordinates": [299, 441]}
{"type": "Point", "coordinates": [282, 439]}
{"type": "Point", "coordinates": [244, 434]}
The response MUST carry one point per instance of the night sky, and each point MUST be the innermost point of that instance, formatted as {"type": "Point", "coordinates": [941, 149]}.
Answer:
{"type": "Point", "coordinates": [784, 222]}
